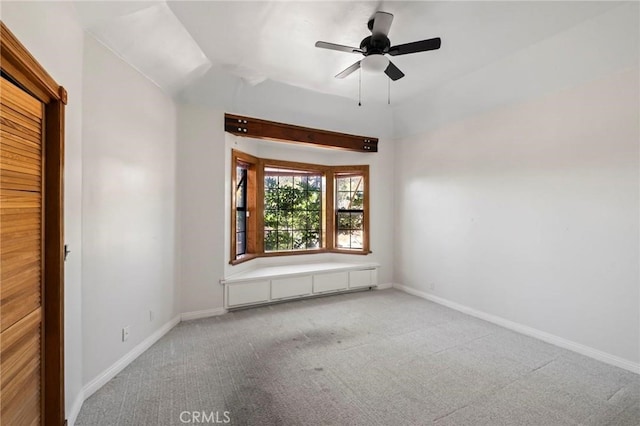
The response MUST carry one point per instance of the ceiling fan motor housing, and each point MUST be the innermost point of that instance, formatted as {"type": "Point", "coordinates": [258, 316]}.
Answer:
{"type": "Point", "coordinates": [375, 45]}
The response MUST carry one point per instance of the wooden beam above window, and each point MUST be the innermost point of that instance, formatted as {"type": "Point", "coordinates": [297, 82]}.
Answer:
{"type": "Point", "coordinates": [270, 130]}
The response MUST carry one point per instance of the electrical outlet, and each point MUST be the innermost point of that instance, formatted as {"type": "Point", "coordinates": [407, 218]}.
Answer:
{"type": "Point", "coordinates": [150, 315]}
{"type": "Point", "coordinates": [125, 333]}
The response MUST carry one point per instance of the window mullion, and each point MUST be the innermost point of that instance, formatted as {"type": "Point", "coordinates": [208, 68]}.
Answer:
{"type": "Point", "coordinates": [259, 249]}
{"type": "Point", "coordinates": [329, 216]}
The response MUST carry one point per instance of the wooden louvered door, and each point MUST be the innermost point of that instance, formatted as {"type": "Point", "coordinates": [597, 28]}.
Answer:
{"type": "Point", "coordinates": [21, 231]}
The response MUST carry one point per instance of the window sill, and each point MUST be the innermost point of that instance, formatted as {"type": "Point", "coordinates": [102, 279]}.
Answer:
{"type": "Point", "coordinates": [251, 256]}
{"type": "Point", "coordinates": [346, 251]}
{"type": "Point", "coordinates": [244, 258]}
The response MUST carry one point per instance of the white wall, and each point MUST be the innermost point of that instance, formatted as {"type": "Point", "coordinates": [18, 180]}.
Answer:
{"type": "Point", "coordinates": [204, 156]}
{"type": "Point", "coordinates": [38, 26]}
{"type": "Point", "coordinates": [128, 202]}
{"type": "Point", "coordinates": [530, 213]}
{"type": "Point", "coordinates": [200, 197]}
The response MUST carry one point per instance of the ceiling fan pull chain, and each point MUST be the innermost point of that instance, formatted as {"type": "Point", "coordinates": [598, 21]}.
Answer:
{"type": "Point", "coordinates": [360, 88]}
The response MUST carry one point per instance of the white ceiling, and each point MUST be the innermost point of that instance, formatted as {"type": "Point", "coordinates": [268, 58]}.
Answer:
{"type": "Point", "coordinates": [274, 40]}
{"type": "Point", "coordinates": [148, 36]}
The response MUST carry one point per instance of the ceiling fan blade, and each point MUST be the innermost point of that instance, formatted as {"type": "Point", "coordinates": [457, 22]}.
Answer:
{"type": "Point", "coordinates": [339, 47]}
{"type": "Point", "coordinates": [382, 23]}
{"type": "Point", "coordinates": [393, 72]}
{"type": "Point", "coordinates": [415, 47]}
{"type": "Point", "coordinates": [348, 71]}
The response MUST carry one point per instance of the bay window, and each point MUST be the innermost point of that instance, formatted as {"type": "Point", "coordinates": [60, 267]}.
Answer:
{"type": "Point", "coordinates": [282, 208]}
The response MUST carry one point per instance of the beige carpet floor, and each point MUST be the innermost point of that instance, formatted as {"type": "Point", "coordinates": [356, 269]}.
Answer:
{"type": "Point", "coordinates": [370, 358]}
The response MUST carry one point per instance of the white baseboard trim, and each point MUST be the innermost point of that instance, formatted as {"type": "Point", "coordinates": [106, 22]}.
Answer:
{"type": "Point", "coordinates": [188, 316]}
{"type": "Point", "coordinates": [529, 331]}
{"type": "Point", "coordinates": [384, 286]}
{"type": "Point", "coordinates": [99, 381]}
{"type": "Point", "coordinates": [72, 415]}
{"type": "Point", "coordinates": [95, 384]}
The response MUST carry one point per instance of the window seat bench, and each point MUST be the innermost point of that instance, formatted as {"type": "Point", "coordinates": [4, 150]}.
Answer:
{"type": "Point", "coordinates": [268, 284]}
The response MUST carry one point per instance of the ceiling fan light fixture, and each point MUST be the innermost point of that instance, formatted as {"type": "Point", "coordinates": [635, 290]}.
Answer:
{"type": "Point", "coordinates": [375, 63]}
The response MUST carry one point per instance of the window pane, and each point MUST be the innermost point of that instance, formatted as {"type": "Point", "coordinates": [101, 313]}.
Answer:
{"type": "Point", "coordinates": [241, 208]}
{"type": "Point", "coordinates": [284, 220]}
{"type": "Point", "coordinates": [270, 241]}
{"type": "Point", "coordinates": [285, 181]}
{"type": "Point", "coordinates": [356, 184]}
{"type": "Point", "coordinates": [270, 182]}
{"type": "Point", "coordinates": [240, 243]}
{"type": "Point", "coordinates": [358, 200]}
{"type": "Point", "coordinates": [350, 239]}
{"type": "Point", "coordinates": [299, 219]}
{"type": "Point", "coordinates": [344, 221]}
{"type": "Point", "coordinates": [240, 198]}
{"type": "Point", "coordinates": [313, 240]}
{"type": "Point", "coordinates": [315, 183]}
{"type": "Point", "coordinates": [313, 220]}
{"type": "Point", "coordinates": [344, 239]}
{"type": "Point", "coordinates": [314, 201]}
{"type": "Point", "coordinates": [357, 220]}
{"type": "Point", "coordinates": [298, 240]}
{"type": "Point", "coordinates": [356, 239]}
{"type": "Point", "coordinates": [284, 240]}
{"type": "Point", "coordinates": [281, 198]}
{"type": "Point", "coordinates": [299, 199]}
{"type": "Point", "coordinates": [241, 221]}
{"type": "Point", "coordinates": [342, 184]}
{"type": "Point", "coordinates": [350, 212]}
{"type": "Point", "coordinates": [293, 209]}
{"type": "Point", "coordinates": [271, 199]}
{"type": "Point", "coordinates": [270, 219]}
{"type": "Point", "coordinates": [344, 199]}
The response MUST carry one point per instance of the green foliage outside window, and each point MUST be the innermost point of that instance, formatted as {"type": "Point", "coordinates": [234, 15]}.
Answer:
{"type": "Point", "coordinates": [292, 211]}
{"type": "Point", "coordinates": [350, 212]}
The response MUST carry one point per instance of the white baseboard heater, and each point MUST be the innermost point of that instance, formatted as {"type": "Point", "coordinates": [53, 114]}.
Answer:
{"type": "Point", "coordinates": [277, 283]}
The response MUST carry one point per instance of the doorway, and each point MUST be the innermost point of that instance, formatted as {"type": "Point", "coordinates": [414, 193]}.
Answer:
{"type": "Point", "coordinates": [31, 239]}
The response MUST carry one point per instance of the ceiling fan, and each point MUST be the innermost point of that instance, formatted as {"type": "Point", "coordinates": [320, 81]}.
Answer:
{"type": "Point", "coordinates": [377, 45]}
